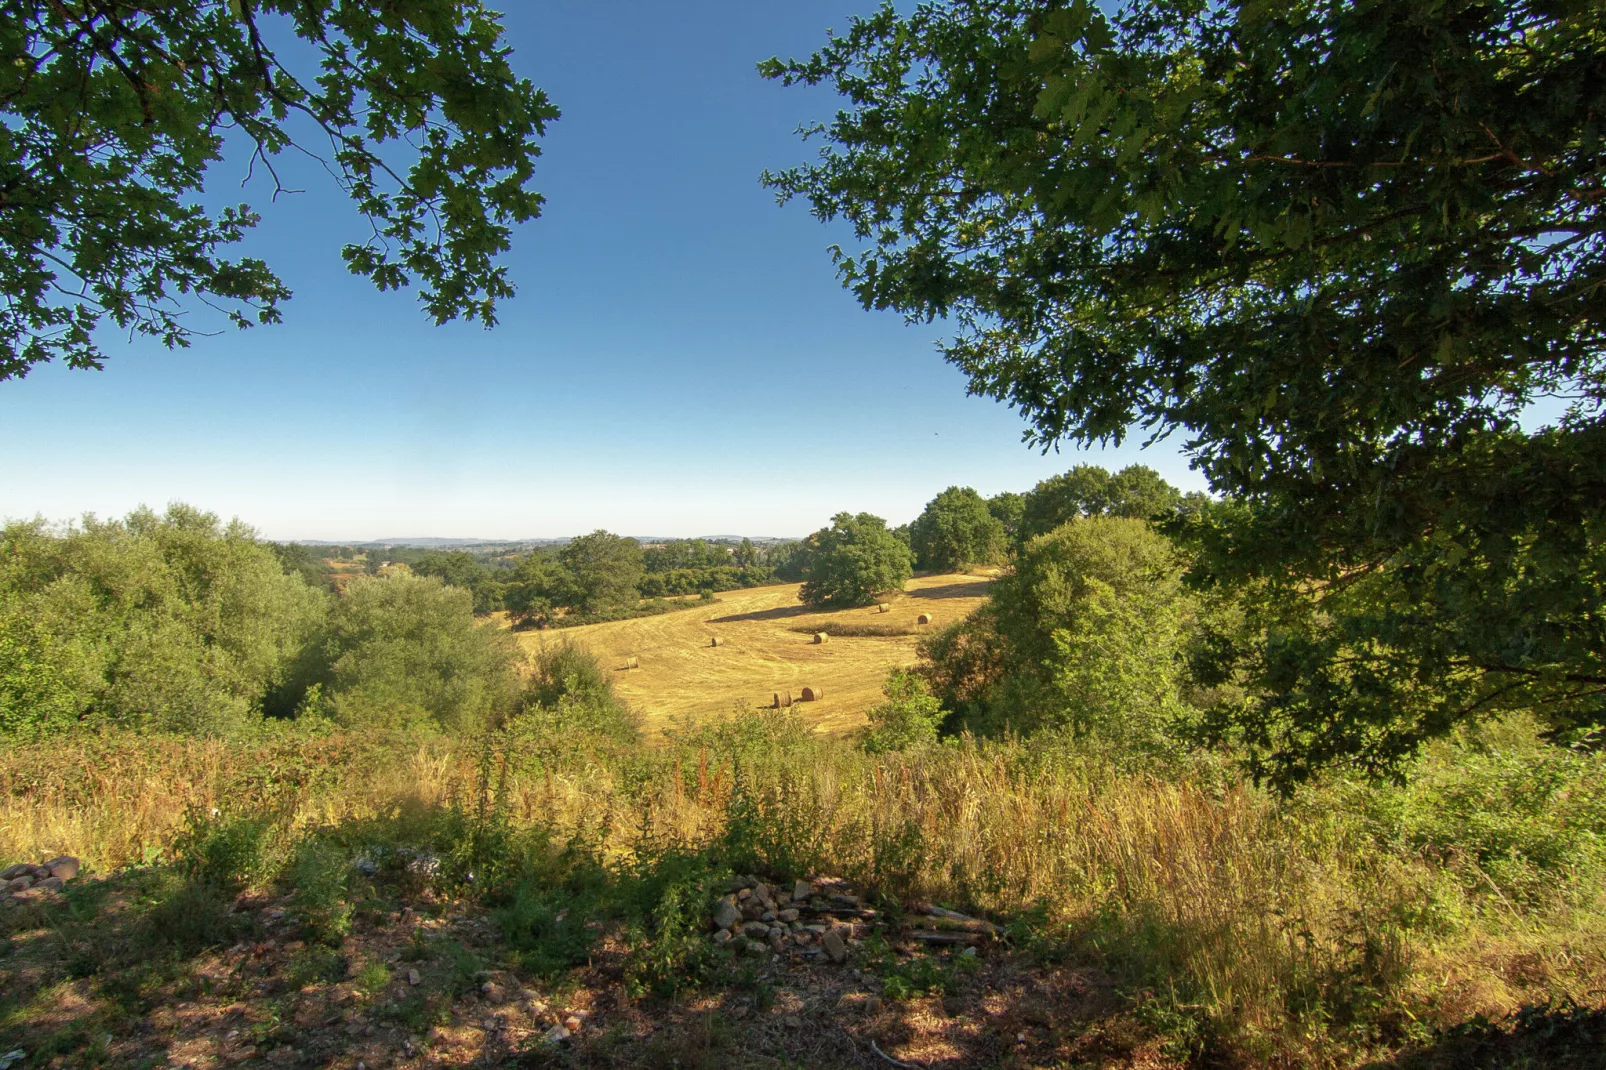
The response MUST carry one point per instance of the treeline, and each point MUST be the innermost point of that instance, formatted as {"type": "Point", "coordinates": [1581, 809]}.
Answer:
{"type": "Point", "coordinates": [858, 559]}
{"type": "Point", "coordinates": [176, 622]}
{"type": "Point", "coordinates": [595, 577]}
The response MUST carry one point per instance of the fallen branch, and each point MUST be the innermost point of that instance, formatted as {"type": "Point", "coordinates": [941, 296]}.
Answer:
{"type": "Point", "coordinates": [890, 1059]}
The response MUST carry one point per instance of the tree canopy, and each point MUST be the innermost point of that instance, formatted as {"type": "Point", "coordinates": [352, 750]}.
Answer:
{"type": "Point", "coordinates": [1135, 491]}
{"type": "Point", "coordinates": [113, 113]}
{"type": "Point", "coordinates": [853, 562]}
{"type": "Point", "coordinates": [1341, 249]}
{"type": "Point", "coordinates": [956, 529]}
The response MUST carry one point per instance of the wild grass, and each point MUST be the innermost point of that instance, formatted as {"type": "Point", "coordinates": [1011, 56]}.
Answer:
{"type": "Point", "coordinates": [1321, 929]}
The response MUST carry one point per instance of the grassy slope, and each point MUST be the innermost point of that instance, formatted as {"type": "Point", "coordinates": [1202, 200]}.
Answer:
{"type": "Point", "coordinates": [682, 677]}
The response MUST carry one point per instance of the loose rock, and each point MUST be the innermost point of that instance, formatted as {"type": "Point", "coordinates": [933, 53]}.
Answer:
{"type": "Point", "coordinates": [834, 946]}
{"type": "Point", "coordinates": [726, 915]}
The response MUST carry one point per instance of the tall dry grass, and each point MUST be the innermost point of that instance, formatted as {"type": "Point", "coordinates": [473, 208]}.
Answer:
{"type": "Point", "coordinates": [1286, 926]}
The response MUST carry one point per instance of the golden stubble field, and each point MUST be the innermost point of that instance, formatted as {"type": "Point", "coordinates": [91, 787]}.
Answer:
{"type": "Point", "coordinates": [682, 677]}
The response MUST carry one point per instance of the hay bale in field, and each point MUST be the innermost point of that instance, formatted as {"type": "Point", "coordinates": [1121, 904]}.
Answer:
{"type": "Point", "coordinates": [820, 637]}
{"type": "Point", "coordinates": [783, 699]}
{"type": "Point", "coordinates": [812, 694]}
{"type": "Point", "coordinates": [924, 618]}
{"type": "Point", "coordinates": [883, 608]}
{"type": "Point", "coordinates": [632, 663]}
{"type": "Point", "coordinates": [716, 641]}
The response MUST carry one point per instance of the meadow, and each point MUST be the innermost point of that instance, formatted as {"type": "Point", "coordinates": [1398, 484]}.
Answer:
{"type": "Point", "coordinates": [766, 646]}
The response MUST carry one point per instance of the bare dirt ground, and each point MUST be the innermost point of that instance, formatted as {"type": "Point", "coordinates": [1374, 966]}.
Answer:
{"type": "Point", "coordinates": [767, 646]}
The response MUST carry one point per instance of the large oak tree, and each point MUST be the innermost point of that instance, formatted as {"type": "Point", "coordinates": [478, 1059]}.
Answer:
{"type": "Point", "coordinates": [1341, 250]}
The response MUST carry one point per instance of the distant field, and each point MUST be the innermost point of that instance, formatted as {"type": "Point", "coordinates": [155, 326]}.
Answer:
{"type": "Point", "coordinates": [762, 651]}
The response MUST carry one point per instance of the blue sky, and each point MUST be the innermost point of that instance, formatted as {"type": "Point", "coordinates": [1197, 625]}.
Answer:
{"type": "Point", "coordinates": [680, 358]}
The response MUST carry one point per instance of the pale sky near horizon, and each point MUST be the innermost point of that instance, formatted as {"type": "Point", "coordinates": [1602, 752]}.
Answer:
{"type": "Point", "coordinates": [680, 358]}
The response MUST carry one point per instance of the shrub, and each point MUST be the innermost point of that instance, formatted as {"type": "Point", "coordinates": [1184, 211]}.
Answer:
{"type": "Point", "coordinates": [319, 874]}
{"type": "Point", "coordinates": [569, 691]}
{"type": "Point", "coordinates": [909, 718]}
{"type": "Point", "coordinates": [35, 699]}
{"type": "Point", "coordinates": [1085, 634]}
{"type": "Point", "coordinates": [405, 650]}
{"type": "Point", "coordinates": [171, 622]}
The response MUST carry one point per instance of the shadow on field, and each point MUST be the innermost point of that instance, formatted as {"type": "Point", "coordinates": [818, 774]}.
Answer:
{"type": "Point", "coordinates": [976, 589]}
{"type": "Point", "coordinates": [1534, 1037]}
{"type": "Point", "coordinates": [780, 613]}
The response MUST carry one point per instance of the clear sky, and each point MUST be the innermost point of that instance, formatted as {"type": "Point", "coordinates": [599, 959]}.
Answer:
{"type": "Point", "coordinates": [680, 358]}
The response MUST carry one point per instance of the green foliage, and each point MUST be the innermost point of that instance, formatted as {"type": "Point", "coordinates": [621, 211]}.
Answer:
{"type": "Point", "coordinates": [699, 580]}
{"type": "Point", "coordinates": [594, 576]}
{"type": "Point", "coordinates": [1342, 248]}
{"type": "Point", "coordinates": [546, 929]}
{"type": "Point", "coordinates": [570, 692]}
{"type": "Point", "coordinates": [459, 568]}
{"type": "Point", "coordinates": [429, 132]}
{"type": "Point", "coordinates": [606, 570]}
{"type": "Point", "coordinates": [788, 559]}
{"type": "Point", "coordinates": [1007, 507]}
{"type": "Point", "coordinates": [158, 622]}
{"type": "Point", "coordinates": [956, 529]}
{"type": "Point", "coordinates": [687, 553]}
{"type": "Point", "coordinates": [1085, 634]}
{"type": "Point", "coordinates": [909, 718]}
{"type": "Point", "coordinates": [1505, 810]}
{"type": "Point", "coordinates": [223, 851]}
{"type": "Point", "coordinates": [302, 561]}
{"type": "Point", "coordinates": [319, 873]}
{"type": "Point", "coordinates": [536, 588]}
{"type": "Point", "coordinates": [853, 562]}
{"type": "Point", "coordinates": [35, 700]}
{"type": "Point", "coordinates": [1088, 490]}
{"type": "Point", "coordinates": [405, 650]}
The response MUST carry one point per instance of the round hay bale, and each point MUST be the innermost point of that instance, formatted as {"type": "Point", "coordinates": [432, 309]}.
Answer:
{"type": "Point", "coordinates": [820, 637]}
{"type": "Point", "coordinates": [813, 694]}
{"type": "Point", "coordinates": [883, 608]}
{"type": "Point", "coordinates": [924, 618]}
{"type": "Point", "coordinates": [632, 663]}
{"type": "Point", "coordinates": [783, 699]}
{"type": "Point", "coordinates": [716, 641]}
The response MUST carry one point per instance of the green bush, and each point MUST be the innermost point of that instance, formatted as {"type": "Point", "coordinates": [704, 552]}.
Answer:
{"type": "Point", "coordinates": [570, 692]}
{"type": "Point", "coordinates": [909, 718]}
{"type": "Point", "coordinates": [224, 851]}
{"type": "Point", "coordinates": [35, 699]}
{"type": "Point", "coordinates": [1504, 809]}
{"type": "Point", "coordinates": [1085, 634]}
{"type": "Point", "coordinates": [319, 875]}
{"type": "Point", "coordinates": [171, 622]}
{"type": "Point", "coordinates": [405, 651]}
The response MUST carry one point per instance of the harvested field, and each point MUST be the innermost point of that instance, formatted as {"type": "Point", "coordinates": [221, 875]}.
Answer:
{"type": "Point", "coordinates": [766, 645]}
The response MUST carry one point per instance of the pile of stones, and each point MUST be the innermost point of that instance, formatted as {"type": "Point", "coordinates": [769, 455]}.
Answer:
{"type": "Point", "coordinates": [803, 920]}
{"type": "Point", "coordinates": [25, 882]}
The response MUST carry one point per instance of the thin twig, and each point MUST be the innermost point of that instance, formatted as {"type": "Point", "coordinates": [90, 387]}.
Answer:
{"type": "Point", "coordinates": [890, 1059]}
